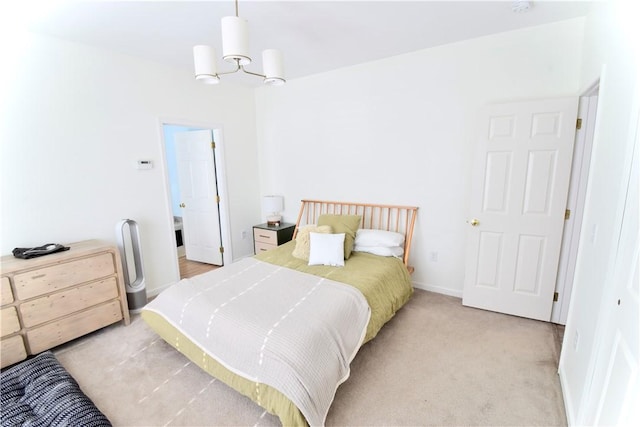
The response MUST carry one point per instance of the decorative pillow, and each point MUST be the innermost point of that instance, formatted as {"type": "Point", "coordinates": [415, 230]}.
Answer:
{"type": "Point", "coordinates": [302, 239]}
{"type": "Point", "coordinates": [347, 224]}
{"type": "Point", "coordinates": [395, 251]}
{"type": "Point", "coordinates": [326, 249]}
{"type": "Point", "coordinates": [383, 238]}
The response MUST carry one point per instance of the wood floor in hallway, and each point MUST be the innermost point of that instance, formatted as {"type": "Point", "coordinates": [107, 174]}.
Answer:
{"type": "Point", "coordinates": [193, 268]}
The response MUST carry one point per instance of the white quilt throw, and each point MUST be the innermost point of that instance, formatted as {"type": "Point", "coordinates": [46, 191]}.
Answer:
{"type": "Point", "coordinates": [293, 331]}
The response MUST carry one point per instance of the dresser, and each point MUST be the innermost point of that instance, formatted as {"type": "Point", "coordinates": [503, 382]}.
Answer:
{"type": "Point", "coordinates": [266, 237]}
{"type": "Point", "coordinates": [53, 299]}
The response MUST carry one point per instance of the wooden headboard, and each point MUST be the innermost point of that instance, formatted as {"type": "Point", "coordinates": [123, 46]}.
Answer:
{"type": "Point", "coordinates": [400, 219]}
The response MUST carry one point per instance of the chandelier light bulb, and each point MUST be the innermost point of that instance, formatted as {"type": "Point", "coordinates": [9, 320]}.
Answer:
{"type": "Point", "coordinates": [273, 67]}
{"type": "Point", "coordinates": [204, 58]}
{"type": "Point", "coordinates": [235, 40]}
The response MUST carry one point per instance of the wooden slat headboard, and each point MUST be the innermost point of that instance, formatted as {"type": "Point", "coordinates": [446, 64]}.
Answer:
{"type": "Point", "coordinates": [400, 219]}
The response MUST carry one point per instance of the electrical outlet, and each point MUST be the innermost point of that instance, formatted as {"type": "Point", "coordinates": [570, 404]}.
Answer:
{"type": "Point", "coordinates": [433, 256]}
{"type": "Point", "coordinates": [576, 339]}
{"type": "Point", "coordinates": [243, 234]}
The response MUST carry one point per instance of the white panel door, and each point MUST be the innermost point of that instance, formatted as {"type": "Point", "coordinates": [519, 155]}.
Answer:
{"type": "Point", "coordinates": [520, 181]}
{"type": "Point", "coordinates": [199, 196]}
{"type": "Point", "coordinates": [614, 390]}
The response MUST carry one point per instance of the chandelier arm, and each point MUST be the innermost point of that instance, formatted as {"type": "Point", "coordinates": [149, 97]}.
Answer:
{"type": "Point", "coordinates": [253, 74]}
{"type": "Point", "coordinates": [238, 67]}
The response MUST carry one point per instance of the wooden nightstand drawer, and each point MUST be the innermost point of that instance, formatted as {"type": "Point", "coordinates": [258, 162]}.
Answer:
{"type": "Point", "coordinates": [265, 236]}
{"type": "Point", "coordinates": [64, 275]}
{"type": "Point", "coordinates": [6, 296]}
{"type": "Point", "coordinates": [41, 310]}
{"type": "Point", "coordinates": [261, 247]}
{"type": "Point", "coordinates": [12, 350]}
{"type": "Point", "coordinates": [10, 323]}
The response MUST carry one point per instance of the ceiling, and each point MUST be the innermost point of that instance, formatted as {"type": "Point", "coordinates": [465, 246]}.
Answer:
{"type": "Point", "coordinates": [314, 36]}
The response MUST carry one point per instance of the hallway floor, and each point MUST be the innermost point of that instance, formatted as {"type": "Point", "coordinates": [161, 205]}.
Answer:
{"type": "Point", "coordinates": [193, 268]}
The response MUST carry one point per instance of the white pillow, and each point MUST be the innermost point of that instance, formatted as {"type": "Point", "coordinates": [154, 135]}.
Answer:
{"type": "Point", "coordinates": [378, 238]}
{"type": "Point", "coordinates": [302, 239]}
{"type": "Point", "coordinates": [395, 251]}
{"type": "Point", "coordinates": [326, 249]}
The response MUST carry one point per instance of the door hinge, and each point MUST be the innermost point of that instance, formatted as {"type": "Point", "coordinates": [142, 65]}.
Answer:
{"type": "Point", "coordinates": [217, 199]}
{"type": "Point", "coordinates": [579, 124]}
{"type": "Point", "coordinates": [221, 249]}
{"type": "Point", "coordinates": [567, 214]}
{"type": "Point", "coordinates": [555, 297]}
{"type": "Point", "coordinates": [213, 145]}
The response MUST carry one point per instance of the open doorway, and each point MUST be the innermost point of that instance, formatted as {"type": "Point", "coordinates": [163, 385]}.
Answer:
{"type": "Point", "coordinates": [195, 180]}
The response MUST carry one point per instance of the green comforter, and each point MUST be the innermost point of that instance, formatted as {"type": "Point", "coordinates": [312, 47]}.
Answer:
{"type": "Point", "coordinates": [384, 281]}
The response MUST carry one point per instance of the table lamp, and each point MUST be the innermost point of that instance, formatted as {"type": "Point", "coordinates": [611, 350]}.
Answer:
{"type": "Point", "coordinates": [273, 205]}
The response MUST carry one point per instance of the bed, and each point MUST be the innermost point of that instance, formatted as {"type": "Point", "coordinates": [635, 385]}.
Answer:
{"type": "Point", "coordinates": [283, 332]}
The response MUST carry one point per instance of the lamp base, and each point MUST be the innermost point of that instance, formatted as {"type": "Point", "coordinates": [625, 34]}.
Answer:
{"type": "Point", "coordinates": [274, 220]}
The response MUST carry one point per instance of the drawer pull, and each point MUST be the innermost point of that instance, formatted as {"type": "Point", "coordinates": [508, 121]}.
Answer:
{"type": "Point", "coordinates": [262, 235]}
{"type": "Point", "coordinates": [38, 276]}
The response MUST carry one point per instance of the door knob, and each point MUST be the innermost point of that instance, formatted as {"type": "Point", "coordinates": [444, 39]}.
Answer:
{"type": "Point", "coordinates": [474, 222]}
{"type": "Point", "coordinates": [182, 205]}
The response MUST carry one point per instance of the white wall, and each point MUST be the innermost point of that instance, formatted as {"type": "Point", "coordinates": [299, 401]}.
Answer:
{"type": "Point", "coordinates": [609, 56]}
{"type": "Point", "coordinates": [401, 131]}
{"type": "Point", "coordinates": [75, 120]}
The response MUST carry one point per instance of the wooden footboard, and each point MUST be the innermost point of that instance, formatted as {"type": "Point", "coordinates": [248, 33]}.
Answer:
{"type": "Point", "coordinates": [400, 219]}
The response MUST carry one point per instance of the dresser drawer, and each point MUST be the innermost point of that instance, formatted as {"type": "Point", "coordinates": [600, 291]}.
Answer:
{"type": "Point", "coordinates": [10, 323]}
{"type": "Point", "coordinates": [262, 247]}
{"type": "Point", "coordinates": [52, 334]}
{"type": "Point", "coordinates": [43, 309]}
{"type": "Point", "coordinates": [12, 350]}
{"type": "Point", "coordinates": [6, 296]}
{"type": "Point", "coordinates": [48, 279]}
{"type": "Point", "coordinates": [265, 236]}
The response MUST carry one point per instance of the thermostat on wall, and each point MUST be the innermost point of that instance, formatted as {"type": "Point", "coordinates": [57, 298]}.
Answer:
{"type": "Point", "coordinates": [144, 164]}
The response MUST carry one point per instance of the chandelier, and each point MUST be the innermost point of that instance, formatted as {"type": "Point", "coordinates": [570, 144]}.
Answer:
{"type": "Point", "coordinates": [235, 49]}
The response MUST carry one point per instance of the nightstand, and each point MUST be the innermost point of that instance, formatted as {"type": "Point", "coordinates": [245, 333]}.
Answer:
{"type": "Point", "coordinates": [266, 237]}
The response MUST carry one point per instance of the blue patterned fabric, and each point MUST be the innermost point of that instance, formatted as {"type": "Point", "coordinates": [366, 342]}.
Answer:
{"type": "Point", "coordinates": [40, 392]}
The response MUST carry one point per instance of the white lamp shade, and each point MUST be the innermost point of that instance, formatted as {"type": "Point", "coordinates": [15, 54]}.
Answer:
{"type": "Point", "coordinates": [235, 39]}
{"type": "Point", "coordinates": [272, 204]}
{"type": "Point", "coordinates": [204, 59]}
{"type": "Point", "coordinates": [273, 67]}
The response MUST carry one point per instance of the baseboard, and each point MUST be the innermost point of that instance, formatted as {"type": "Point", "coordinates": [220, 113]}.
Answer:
{"type": "Point", "coordinates": [438, 289]}
{"type": "Point", "coordinates": [152, 293]}
{"type": "Point", "coordinates": [568, 408]}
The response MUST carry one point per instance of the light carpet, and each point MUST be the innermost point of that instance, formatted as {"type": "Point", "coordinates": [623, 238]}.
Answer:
{"type": "Point", "coordinates": [436, 363]}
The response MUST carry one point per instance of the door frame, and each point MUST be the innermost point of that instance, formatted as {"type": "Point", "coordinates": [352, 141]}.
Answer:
{"type": "Point", "coordinates": [587, 111]}
{"type": "Point", "coordinates": [221, 177]}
